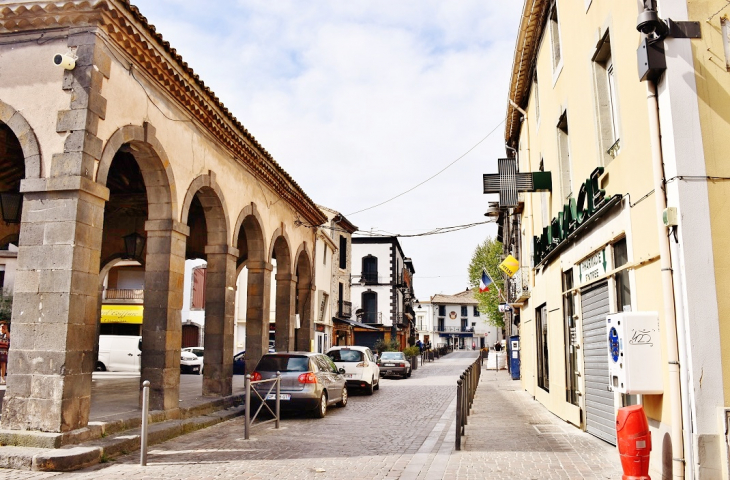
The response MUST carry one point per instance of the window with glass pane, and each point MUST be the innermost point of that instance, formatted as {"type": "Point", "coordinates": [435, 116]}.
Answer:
{"type": "Point", "coordinates": [370, 307]}
{"type": "Point", "coordinates": [442, 310]}
{"type": "Point", "coordinates": [623, 286]}
{"type": "Point", "coordinates": [464, 311]}
{"type": "Point", "coordinates": [541, 324]}
{"type": "Point", "coordinates": [571, 352]}
{"type": "Point", "coordinates": [442, 323]}
{"type": "Point", "coordinates": [476, 311]}
{"type": "Point", "coordinates": [370, 269]}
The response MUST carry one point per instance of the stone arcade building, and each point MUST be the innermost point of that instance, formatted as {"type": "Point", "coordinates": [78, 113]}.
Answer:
{"type": "Point", "coordinates": [131, 141]}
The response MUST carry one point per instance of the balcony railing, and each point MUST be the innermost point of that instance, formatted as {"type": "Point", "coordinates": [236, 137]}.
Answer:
{"type": "Point", "coordinates": [123, 294]}
{"type": "Point", "coordinates": [449, 329]}
{"type": "Point", "coordinates": [519, 285]}
{"type": "Point", "coordinates": [371, 317]}
{"type": "Point", "coordinates": [345, 310]}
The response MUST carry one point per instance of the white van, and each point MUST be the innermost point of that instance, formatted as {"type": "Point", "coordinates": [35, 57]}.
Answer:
{"type": "Point", "coordinates": [119, 353]}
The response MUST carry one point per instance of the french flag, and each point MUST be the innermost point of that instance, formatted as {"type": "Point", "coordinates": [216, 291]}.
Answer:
{"type": "Point", "coordinates": [484, 282]}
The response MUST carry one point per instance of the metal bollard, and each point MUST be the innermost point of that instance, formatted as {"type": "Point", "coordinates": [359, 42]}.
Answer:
{"type": "Point", "coordinates": [278, 398]}
{"type": "Point", "coordinates": [247, 406]}
{"type": "Point", "coordinates": [457, 440]}
{"type": "Point", "coordinates": [145, 415]}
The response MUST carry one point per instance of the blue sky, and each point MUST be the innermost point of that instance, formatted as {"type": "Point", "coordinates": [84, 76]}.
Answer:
{"type": "Point", "coordinates": [361, 100]}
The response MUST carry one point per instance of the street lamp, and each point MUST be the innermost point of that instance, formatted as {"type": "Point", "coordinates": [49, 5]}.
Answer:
{"type": "Point", "coordinates": [10, 204]}
{"type": "Point", "coordinates": [133, 246]}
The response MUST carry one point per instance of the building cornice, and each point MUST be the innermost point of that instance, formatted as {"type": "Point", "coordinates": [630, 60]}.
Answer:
{"type": "Point", "coordinates": [130, 31]}
{"type": "Point", "coordinates": [532, 23]}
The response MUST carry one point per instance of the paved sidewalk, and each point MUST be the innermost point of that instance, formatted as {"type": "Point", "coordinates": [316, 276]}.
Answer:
{"type": "Point", "coordinates": [512, 436]}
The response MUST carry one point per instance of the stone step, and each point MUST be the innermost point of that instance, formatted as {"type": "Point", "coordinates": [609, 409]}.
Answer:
{"type": "Point", "coordinates": [91, 451]}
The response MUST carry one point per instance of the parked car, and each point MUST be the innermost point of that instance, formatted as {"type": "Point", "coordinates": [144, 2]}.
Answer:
{"type": "Point", "coordinates": [239, 363]}
{"type": "Point", "coordinates": [198, 351]}
{"type": "Point", "coordinates": [119, 353]}
{"type": "Point", "coordinates": [190, 363]}
{"type": "Point", "coordinates": [361, 369]}
{"type": "Point", "coordinates": [394, 363]}
{"type": "Point", "coordinates": [309, 381]}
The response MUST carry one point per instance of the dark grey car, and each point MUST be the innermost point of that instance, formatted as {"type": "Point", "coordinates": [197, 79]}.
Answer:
{"type": "Point", "coordinates": [394, 363]}
{"type": "Point", "coordinates": [309, 381]}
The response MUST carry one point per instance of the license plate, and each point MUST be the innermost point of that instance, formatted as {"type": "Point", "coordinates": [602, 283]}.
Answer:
{"type": "Point", "coordinates": [390, 364]}
{"type": "Point", "coordinates": [348, 375]}
{"type": "Point", "coordinates": [282, 396]}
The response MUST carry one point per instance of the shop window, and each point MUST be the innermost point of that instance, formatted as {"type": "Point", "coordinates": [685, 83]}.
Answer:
{"type": "Point", "coordinates": [198, 296]}
{"type": "Point", "coordinates": [571, 340]}
{"type": "Point", "coordinates": [623, 285]}
{"type": "Point", "coordinates": [543, 359]}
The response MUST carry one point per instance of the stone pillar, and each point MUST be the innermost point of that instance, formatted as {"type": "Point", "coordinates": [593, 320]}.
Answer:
{"type": "Point", "coordinates": [162, 326]}
{"type": "Point", "coordinates": [257, 312]}
{"type": "Point", "coordinates": [220, 292]}
{"type": "Point", "coordinates": [285, 318]}
{"type": "Point", "coordinates": [305, 336]}
{"type": "Point", "coordinates": [55, 305]}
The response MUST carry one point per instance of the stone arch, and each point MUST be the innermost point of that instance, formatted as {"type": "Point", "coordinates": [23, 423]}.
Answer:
{"type": "Point", "coordinates": [250, 222]}
{"type": "Point", "coordinates": [280, 245]}
{"type": "Point", "coordinates": [214, 203]}
{"type": "Point", "coordinates": [153, 163]}
{"type": "Point", "coordinates": [285, 291]}
{"type": "Point", "coordinates": [304, 294]}
{"type": "Point", "coordinates": [26, 137]}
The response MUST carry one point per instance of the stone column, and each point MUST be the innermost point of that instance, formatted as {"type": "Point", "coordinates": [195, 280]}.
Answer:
{"type": "Point", "coordinates": [55, 299]}
{"type": "Point", "coordinates": [220, 292]}
{"type": "Point", "coordinates": [162, 326]}
{"type": "Point", "coordinates": [257, 312]}
{"type": "Point", "coordinates": [285, 318]}
{"type": "Point", "coordinates": [306, 325]}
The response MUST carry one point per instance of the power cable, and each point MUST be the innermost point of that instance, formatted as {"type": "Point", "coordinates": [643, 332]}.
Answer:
{"type": "Point", "coordinates": [432, 176]}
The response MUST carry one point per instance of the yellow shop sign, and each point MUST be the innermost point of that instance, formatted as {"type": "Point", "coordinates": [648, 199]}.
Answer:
{"type": "Point", "coordinates": [510, 265]}
{"type": "Point", "coordinates": [121, 314]}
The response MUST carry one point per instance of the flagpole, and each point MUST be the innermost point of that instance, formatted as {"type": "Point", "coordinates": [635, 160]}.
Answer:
{"type": "Point", "coordinates": [499, 292]}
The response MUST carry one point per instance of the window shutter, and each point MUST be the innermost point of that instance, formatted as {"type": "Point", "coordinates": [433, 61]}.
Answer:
{"type": "Point", "coordinates": [199, 275]}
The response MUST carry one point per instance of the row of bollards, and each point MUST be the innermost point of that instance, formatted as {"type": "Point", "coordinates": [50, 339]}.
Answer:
{"type": "Point", "coordinates": [466, 388]}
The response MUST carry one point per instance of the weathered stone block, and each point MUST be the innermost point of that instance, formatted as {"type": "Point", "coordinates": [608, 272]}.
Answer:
{"type": "Point", "coordinates": [31, 234]}
{"type": "Point", "coordinates": [51, 337]}
{"type": "Point", "coordinates": [66, 460]}
{"type": "Point", "coordinates": [54, 281]}
{"type": "Point", "coordinates": [60, 233]}
{"type": "Point", "coordinates": [27, 281]}
{"type": "Point", "coordinates": [97, 104]}
{"type": "Point", "coordinates": [80, 119]}
{"type": "Point", "coordinates": [83, 141]}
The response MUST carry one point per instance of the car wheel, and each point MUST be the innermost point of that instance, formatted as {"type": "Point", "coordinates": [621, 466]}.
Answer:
{"type": "Point", "coordinates": [369, 388]}
{"type": "Point", "coordinates": [343, 403]}
{"type": "Point", "coordinates": [409, 373]}
{"type": "Point", "coordinates": [377, 385]}
{"type": "Point", "coordinates": [100, 367]}
{"type": "Point", "coordinates": [321, 409]}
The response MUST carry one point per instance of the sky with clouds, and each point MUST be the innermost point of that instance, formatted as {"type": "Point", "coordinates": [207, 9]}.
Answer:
{"type": "Point", "coordinates": [361, 100]}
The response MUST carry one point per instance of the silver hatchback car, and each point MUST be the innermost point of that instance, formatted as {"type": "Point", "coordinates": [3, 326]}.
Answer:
{"type": "Point", "coordinates": [309, 381]}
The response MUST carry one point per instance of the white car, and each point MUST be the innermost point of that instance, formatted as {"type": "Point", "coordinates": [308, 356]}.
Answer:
{"type": "Point", "coordinates": [361, 369]}
{"type": "Point", "coordinates": [191, 360]}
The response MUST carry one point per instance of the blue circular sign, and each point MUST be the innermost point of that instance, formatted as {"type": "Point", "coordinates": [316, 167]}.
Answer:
{"type": "Point", "coordinates": [613, 345]}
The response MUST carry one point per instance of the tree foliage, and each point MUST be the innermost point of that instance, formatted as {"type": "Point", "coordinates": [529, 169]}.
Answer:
{"type": "Point", "coordinates": [6, 305]}
{"type": "Point", "coordinates": [487, 256]}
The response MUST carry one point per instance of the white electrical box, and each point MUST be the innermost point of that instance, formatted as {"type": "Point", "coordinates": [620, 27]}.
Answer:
{"type": "Point", "coordinates": [634, 353]}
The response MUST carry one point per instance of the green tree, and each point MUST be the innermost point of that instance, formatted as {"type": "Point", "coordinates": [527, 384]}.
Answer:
{"type": "Point", "coordinates": [6, 305]}
{"type": "Point", "coordinates": [487, 256]}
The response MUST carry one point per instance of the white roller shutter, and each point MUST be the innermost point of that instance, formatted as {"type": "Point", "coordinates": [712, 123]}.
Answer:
{"type": "Point", "coordinates": [600, 418]}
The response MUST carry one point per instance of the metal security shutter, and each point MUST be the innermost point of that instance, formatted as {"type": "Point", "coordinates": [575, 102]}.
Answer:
{"type": "Point", "coordinates": [367, 339]}
{"type": "Point", "coordinates": [600, 418]}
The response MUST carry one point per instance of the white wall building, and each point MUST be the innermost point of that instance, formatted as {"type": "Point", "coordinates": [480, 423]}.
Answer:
{"type": "Point", "coordinates": [458, 322]}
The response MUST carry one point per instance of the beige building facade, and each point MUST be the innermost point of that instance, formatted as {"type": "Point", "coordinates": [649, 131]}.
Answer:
{"type": "Point", "coordinates": [126, 154]}
{"type": "Point", "coordinates": [632, 219]}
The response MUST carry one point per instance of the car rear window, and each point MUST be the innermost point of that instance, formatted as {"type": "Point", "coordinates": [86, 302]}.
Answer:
{"type": "Point", "coordinates": [345, 355]}
{"type": "Point", "coordinates": [392, 356]}
{"type": "Point", "coordinates": [283, 363]}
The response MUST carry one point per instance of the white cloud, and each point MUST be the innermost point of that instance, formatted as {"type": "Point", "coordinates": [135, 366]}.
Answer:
{"type": "Point", "coordinates": [360, 100]}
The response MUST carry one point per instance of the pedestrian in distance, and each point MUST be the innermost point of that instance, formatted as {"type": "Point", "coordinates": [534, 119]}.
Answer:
{"type": "Point", "coordinates": [4, 346]}
{"type": "Point", "coordinates": [497, 346]}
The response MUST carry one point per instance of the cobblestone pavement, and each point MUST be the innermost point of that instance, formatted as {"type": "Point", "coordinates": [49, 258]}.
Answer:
{"type": "Point", "coordinates": [404, 431]}
{"type": "Point", "coordinates": [510, 435]}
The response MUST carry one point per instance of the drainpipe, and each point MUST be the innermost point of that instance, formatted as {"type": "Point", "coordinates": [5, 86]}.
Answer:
{"type": "Point", "coordinates": [670, 321]}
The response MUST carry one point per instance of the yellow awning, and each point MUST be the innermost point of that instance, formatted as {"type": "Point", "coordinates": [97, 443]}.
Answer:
{"type": "Point", "coordinates": [121, 314]}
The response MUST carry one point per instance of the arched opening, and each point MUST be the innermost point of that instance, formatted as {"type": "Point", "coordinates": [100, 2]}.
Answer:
{"type": "Point", "coordinates": [303, 304]}
{"type": "Point", "coordinates": [283, 304]}
{"type": "Point", "coordinates": [212, 265]}
{"type": "Point", "coordinates": [252, 288]}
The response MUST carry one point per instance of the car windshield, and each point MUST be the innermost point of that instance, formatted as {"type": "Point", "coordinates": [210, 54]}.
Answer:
{"type": "Point", "coordinates": [392, 356]}
{"type": "Point", "coordinates": [283, 363]}
{"type": "Point", "coordinates": [346, 355]}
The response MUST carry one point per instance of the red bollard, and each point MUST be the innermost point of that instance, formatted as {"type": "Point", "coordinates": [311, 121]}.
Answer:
{"type": "Point", "coordinates": [634, 442]}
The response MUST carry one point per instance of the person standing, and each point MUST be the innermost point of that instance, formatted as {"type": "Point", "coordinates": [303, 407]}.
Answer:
{"type": "Point", "coordinates": [4, 346]}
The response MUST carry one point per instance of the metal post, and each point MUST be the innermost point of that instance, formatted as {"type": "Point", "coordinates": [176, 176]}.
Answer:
{"type": "Point", "coordinates": [457, 439]}
{"type": "Point", "coordinates": [145, 415]}
{"type": "Point", "coordinates": [247, 405]}
{"type": "Point", "coordinates": [278, 399]}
